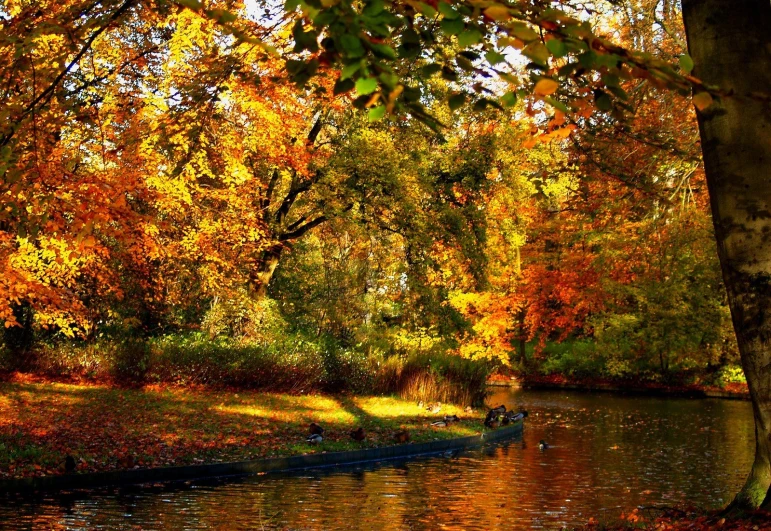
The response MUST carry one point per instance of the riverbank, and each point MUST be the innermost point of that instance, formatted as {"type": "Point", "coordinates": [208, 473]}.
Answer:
{"type": "Point", "coordinates": [106, 428]}
{"type": "Point", "coordinates": [736, 391]}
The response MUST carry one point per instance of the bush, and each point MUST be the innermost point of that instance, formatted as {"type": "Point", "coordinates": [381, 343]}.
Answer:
{"type": "Point", "coordinates": [578, 358]}
{"type": "Point", "coordinates": [289, 364]}
{"type": "Point", "coordinates": [131, 361]}
{"type": "Point", "coordinates": [293, 364]}
{"type": "Point", "coordinates": [730, 374]}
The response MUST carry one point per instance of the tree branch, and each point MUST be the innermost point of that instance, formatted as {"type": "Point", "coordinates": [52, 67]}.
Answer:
{"type": "Point", "coordinates": [48, 93]}
{"type": "Point", "coordinates": [293, 235]}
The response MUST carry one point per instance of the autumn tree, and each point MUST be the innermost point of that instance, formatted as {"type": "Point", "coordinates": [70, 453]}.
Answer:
{"type": "Point", "coordinates": [730, 50]}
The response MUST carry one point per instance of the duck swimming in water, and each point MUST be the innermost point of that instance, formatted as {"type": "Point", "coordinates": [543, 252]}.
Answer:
{"type": "Point", "coordinates": [543, 445]}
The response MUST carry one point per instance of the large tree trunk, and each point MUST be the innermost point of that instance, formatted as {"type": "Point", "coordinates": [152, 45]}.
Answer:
{"type": "Point", "coordinates": [730, 42]}
{"type": "Point", "coordinates": [260, 277]}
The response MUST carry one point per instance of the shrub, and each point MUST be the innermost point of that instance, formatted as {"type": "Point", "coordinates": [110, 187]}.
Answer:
{"type": "Point", "coordinates": [730, 374]}
{"type": "Point", "coordinates": [131, 361]}
{"type": "Point", "coordinates": [290, 365]}
{"type": "Point", "coordinates": [578, 358]}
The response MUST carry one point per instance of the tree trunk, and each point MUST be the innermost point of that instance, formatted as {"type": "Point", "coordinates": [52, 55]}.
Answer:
{"type": "Point", "coordinates": [522, 314]}
{"type": "Point", "coordinates": [730, 42]}
{"type": "Point", "coordinates": [18, 339]}
{"type": "Point", "coordinates": [262, 274]}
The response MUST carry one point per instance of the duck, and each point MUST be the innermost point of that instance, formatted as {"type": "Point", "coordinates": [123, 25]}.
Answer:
{"type": "Point", "coordinates": [492, 424]}
{"type": "Point", "coordinates": [543, 445]}
{"type": "Point", "coordinates": [358, 434]}
{"type": "Point", "coordinates": [402, 436]}
{"type": "Point", "coordinates": [451, 418]}
{"type": "Point", "coordinates": [314, 438]}
{"type": "Point", "coordinates": [436, 408]}
{"type": "Point", "coordinates": [494, 413]}
{"type": "Point", "coordinates": [315, 429]}
{"type": "Point", "coordinates": [439, 424]}
{"type": "Point", "coordinates": [69, 464]}
{"type": "Point", "coordinates": [514, 417]}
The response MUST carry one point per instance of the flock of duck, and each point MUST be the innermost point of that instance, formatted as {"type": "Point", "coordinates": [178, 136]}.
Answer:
{"type": "Point", "coordinates": [495, 417]}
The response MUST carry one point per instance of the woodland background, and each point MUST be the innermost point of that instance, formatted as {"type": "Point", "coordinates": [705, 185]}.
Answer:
{"type": "Point", "coordinates": [175, 209]}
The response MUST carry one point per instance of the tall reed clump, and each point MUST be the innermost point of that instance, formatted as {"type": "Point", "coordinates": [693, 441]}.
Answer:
{"type": "Point", "coordinates": [435, 377]}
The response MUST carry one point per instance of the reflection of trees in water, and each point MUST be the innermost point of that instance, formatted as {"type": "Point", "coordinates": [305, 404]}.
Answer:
{"type": "Point", "coordinates": [610, 452]}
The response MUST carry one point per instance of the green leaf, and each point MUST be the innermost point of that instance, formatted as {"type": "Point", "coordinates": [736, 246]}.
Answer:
{"type": "Point", "coordinates": [352, 45]}
{"type": "Point", "coordinates": [383, 50]}
{"type": "Point", "coordinates": [366, 85]}
{"type": "Point", "coordinates": [452, 27]}
{"type": "Point", "coordinates": [350, 70]}
{"type": "Point", "coordinates": [376, 113]}
{"type": "Point", "coordinates": [448, 11]}
{"type": "Point", "coordinates": [469, 37]}
{"type": "Point", "coordinates": [464, 63]}
{"type": "Point", "coordinates": [537, 52]}
{"type": "Point", "coordinates": [686, 63]}
{"type": "Point", "coordinates": [374, 8]}
{"type": "Point", "coordinates": [494, 57]}
{"type": "Point", "coordinates": [602, 101]}
{"type": "Point", "coordinates": [426, 10]}
{"type": "Point", "coordinates": [557, 47]}
{"type": "Point", "coordinates": [509, 99]}
{"type": "Point", "coordinates": [430, 69]}
{"type": "Point", "coordinates": [456, 101]}
{"type": "Point", "coordinates": [523, 32]}
{"type": "Point", "coordinates": [195, 4]}
{"type": "Point", "coordinates": [556, 104]}
{"type": "Point", "coordinates": [343, 85]}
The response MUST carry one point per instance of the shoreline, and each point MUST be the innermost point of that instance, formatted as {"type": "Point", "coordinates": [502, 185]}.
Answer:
{"type": "Point", "coordinates": [256, 466]}
{"type": "Point", "coordinates": [658, 390]}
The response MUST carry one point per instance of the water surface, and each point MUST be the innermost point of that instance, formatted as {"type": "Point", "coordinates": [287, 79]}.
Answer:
{"type": "Point", "coordinates": [609, 454]}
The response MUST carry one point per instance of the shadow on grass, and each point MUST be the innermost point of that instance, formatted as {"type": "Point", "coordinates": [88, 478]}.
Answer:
{"type": "Point", "coordinates": [108, 428]}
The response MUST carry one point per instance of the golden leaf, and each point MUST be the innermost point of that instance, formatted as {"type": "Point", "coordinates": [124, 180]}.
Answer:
{"type": "Point", "coordinates": [546, 87]}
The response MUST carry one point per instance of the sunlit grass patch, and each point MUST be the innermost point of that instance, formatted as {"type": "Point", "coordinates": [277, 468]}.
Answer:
{"type": "Point", "coordinates": [107, 429]}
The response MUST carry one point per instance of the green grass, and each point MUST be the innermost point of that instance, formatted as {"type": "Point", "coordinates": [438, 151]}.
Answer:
{"type": "Point", "coordinates": [106, 428]}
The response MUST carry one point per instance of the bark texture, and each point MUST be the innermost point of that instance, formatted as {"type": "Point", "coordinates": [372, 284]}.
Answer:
{"type": "Point", "coordinates": [730, 43]}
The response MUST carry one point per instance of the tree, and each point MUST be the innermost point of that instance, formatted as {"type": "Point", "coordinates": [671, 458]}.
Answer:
{"type": "Point", "coordinates": [731, 52]}
{"type": "Point", "coordinates": [731, 49]}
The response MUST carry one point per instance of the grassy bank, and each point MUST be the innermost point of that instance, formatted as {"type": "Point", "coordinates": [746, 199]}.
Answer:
{"type": "Point", "coordinates": [106, 428]}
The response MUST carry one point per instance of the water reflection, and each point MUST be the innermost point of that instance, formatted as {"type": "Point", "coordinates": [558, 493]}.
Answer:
{"type": "Point", "coordinates": [609, 453]}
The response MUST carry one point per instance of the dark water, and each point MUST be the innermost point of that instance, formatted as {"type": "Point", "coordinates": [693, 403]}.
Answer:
{"type": "Point", "coordinates": [610, 453]}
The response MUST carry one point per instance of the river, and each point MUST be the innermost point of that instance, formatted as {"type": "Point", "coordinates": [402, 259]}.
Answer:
{"type": "Point", "coordinates": [609, 453]}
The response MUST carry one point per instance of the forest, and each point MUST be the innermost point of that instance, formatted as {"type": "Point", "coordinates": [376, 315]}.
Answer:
{"type": "Point", "coordinates": [174, 207]}
{"type": "Point", "coordinates": [386, 197]}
